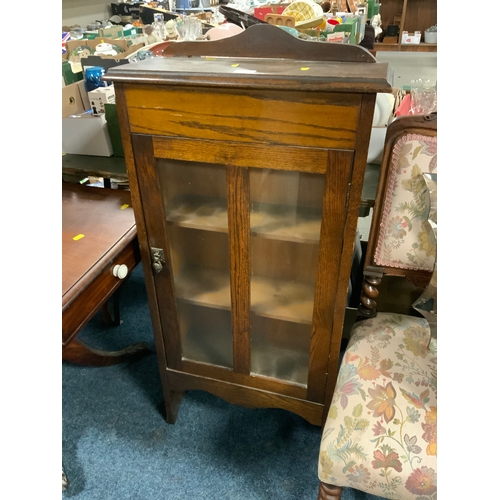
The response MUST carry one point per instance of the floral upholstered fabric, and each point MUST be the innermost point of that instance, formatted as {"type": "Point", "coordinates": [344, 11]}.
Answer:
{"type": "Point", "coordinates": [380, 433]}
{"type": "Point", "coordinates": [404, 240]}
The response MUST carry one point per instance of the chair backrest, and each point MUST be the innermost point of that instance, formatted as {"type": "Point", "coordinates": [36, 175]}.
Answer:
{"type": "Point", "coordinates": [426, 304]}
{"type": "Point", "coordinates": [401, 240]}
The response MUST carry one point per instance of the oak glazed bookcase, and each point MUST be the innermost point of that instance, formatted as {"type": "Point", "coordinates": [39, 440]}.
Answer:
{"type": "Point", "coordinates": [246, 159]}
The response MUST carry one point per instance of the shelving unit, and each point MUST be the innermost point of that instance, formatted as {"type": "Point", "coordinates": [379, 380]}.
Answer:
{"type": "Point", "coordinates": [413, 15]}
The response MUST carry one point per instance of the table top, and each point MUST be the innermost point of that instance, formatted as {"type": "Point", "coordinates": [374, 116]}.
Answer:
{"type": "Point", "coordinates": [97, 223]}
{"type": "Point", "coordinates": [98, 166]}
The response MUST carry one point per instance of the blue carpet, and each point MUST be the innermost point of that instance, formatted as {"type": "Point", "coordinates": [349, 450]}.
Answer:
{"type": "Point", "coordinates": [118, 446]}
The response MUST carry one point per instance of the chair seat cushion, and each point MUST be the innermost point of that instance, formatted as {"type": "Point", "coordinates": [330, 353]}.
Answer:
{"type": "Point", "coordinates": [380, 433]}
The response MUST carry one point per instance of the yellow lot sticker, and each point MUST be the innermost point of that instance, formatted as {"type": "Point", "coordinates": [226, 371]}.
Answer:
{"type": "Point", "coordinates": [78, 237]}
{"type": "Point", "coordinates": [305, 68]}
{"type": "Point", "coordinates": [124, 206]}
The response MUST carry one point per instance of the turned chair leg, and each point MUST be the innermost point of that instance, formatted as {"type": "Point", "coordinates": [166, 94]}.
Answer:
{"type": "Point", "coordinates": [329, 491]}
{"type": "Point", "coordinates": [369, 292]}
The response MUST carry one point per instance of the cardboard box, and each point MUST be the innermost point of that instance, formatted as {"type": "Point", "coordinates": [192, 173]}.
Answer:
{"type": "Point", "coordinates": [383, 115]}
{"type": "Point", "coordinates": [407, 39]}
{"type": "Point", "coordinates": [82, 133]}
{"type": "Point", "coordinates": [106, 61]}
{"type": "Point", "coordinates": [72, 99]}
{"type": "Point", "coordinates": [335, 37]}
{"type": "Point", "coordinates": [86, 135]}
{"type": "Point", "coordinates": [122, 43]}
{"type": "Point", "coordinates": [111, 32]}
{"type": "Point", "coordinates": [99, 97]}
{"type": "Point", "coordinates": [376, 145]}
{"type": "Point", "coordinates": [66, 37]}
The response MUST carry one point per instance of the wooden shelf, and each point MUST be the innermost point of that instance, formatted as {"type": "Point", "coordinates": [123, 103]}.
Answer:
{"type": "Point", "coordinates": [299, 224]}
{"type": "Point", "coordinates": [276, 299]}
{"type": "Point", "coordinates": [395, 47]}
{"type": "Point", "coordinates": [267, 361]}
{"type": "Point", "coordinates": [280, 364]}
{"type": "Point", "coordinates": [198, 212]}
{"type": "Point", "coordinates": [204, 287]}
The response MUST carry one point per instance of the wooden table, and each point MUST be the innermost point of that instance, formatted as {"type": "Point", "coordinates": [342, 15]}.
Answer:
{"type": "Point", "coordinates": [77, 167]}
{"type": "Point", "coordinates": [98, 236]}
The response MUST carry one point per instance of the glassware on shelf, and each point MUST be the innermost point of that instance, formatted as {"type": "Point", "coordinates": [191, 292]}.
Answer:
{"type": "Point", "coordinates": [423, 97]}
{"type": "Point", "coordinates": [193, 28]}
{"type": "Point", "coordinates": [159, 29]}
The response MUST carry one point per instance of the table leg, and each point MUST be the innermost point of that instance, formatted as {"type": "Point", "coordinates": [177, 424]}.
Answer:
{"type": "Point", "coordinates": [112, 320]}
{"type": "Point", "coordinates": [78, 352]}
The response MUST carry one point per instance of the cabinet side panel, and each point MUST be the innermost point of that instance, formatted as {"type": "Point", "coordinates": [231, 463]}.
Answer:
{"type": "Point", "coordinates": [142, 236]}
{"type": "Point", "coordinates": [338, 182]}
{"type": "Point", "coordinates": [364, 128]}
{"type": "Point", "coordinates": [290, 118]}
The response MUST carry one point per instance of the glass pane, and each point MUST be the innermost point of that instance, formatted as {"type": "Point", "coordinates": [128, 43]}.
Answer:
{"type": "Point", "coordinates": [285, 223]}
{"type": "Point", "coordinates": [195, 203]}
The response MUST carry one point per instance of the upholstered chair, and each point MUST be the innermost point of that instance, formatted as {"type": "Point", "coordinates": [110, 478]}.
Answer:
{"type": "Point", "coordinates": [399, 242]}
{"type": "Point", "coordinates": [380, 433]}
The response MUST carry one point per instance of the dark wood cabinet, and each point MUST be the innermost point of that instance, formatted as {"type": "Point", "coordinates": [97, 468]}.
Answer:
{"type": "Point", "coordinates": [246, 174]}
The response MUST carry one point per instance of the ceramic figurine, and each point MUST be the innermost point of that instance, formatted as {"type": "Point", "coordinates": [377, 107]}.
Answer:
{"type": "Point", "coordinates": [377, 23]}
{"type": "Point", "coordinates": [171, 28]}
{"type": "Point", "coordinates": [148, 31]}
{"type": "Point", "coordinates": [105, 49]}
{"type": "Point", "coordinates": [81, 51]}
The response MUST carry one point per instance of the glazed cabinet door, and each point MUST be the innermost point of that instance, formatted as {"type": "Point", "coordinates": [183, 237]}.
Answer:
{"type": "Point", "coordinates": [246, 242]}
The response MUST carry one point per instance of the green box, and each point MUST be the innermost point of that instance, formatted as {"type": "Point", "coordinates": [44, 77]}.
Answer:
{"type": "Point", "coordinates": [350, 26]}
{"type": "Point", "coordinates": [347, 27]}
{"type": "Point", "coordinates": [132, 32]}
{"type": "Point", "coordinates": [68, 75]}
{"type": "Point", "coordinates": [111, 115]}
{"type": "Point", "coordinates": [111, 32]}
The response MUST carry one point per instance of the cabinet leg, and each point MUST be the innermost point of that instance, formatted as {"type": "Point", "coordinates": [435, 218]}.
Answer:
{"type": "Point", "coordinates": [79, 353]}
{"type": "Point", "coordinates": [172, 403]}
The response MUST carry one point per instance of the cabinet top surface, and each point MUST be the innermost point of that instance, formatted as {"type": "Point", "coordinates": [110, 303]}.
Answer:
{"type": "Point", "coordinates": [260, 57]}
{"type": "Point", "coordinates": [256, 72]}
